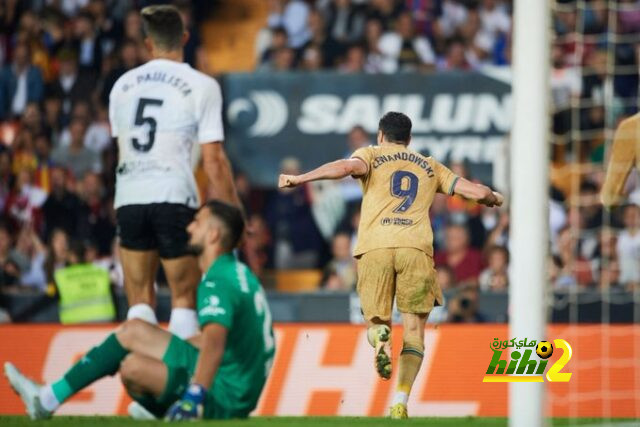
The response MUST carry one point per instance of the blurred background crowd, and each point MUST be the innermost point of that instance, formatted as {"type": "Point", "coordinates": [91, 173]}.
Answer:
{"type": "Point", "coordinates": [60, 58]}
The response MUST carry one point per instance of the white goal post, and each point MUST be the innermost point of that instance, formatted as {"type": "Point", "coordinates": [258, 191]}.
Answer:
{"type": "Point", "coordinates": [529, 195]}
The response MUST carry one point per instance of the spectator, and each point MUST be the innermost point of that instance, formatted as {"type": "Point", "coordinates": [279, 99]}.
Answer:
{"type": "Point", "coordinates": [569, 269]}
{"type": "Point", "coordinates": [31, 249]}
{"type": "Point", "coordinates": [105, 25]}
{"type": "Point", "coordinates": [403, 50]}
{"type": "Point", "coordinates": [9, 270]}
{"type": "Point", "coordinates": [495, 277]}
{"type": "Point", "coordinates": [293, 16]}
{"type": "Point", "coordinates": [63, 209]}
{"type": "Point", "coordinates": [6, 177]}
{"type": "Point", "coordinates": [329, 47]}
{"type": "Point", "coordinates": [71, 85]}
{"type": "Point", "coordinates": [311, 59]}
{"type": "Point", "coordinates": [100, 229]}
{"type": "Point", "coordinates": [384, 11]}
{"type": "Point", "coordinates": [604, 260]}
{"type": "Point", "coordinates": [628, 247]}
{"type": "Point", "coordinates": [470, 32]}
{"type": "Point", "coordinates": [133, 27]}
{"type": "Point", "coordinates": [25, 200]}
{"type": "Point", "coordinates": [565, 86]}
{"type": "Point", "coordinates": [499, 236]}
{"type": "Point", "coordinates": [42, 150]}
{"type": "Point", "coordinates": [495, 24]}
{"type": "Point", "coordinates": [113, 265]}
{"type": "Point", "coordinates": [590, 206]}
{"type": "Point", "coordinates": [193, 49]}
{"type": "Point", "coordinates": [87, 44]}
{"type": "Point", "coordinates": [58, 254]}
{"type": "Point", "coordinates": [350, 188]}
{"type": "Point", "coordinates": [346, 21]}
{"type": "Point", "coordinates": [465, 262]}
{"type": "Point", "coordinates": [98, 136]}
{"type": "Point", "coordinates": [32, 118]}
{"type": "Point", "coordinates": [20, 83]}
{"type": "Point", "coordinates": [128, 60]}
{"type": "Point", "coordinates": [463, 308]}
{"type": "Point", "coordinates": [453, 16]}
{"type": "Point", "coordinates": [283, 59]}
{"type": "Point", "coordinates": [257, 249]}
{"type": "Point", "coordinates": [53, 118]}
{"type": "Point", "coordinates": [297, 241]}
{"type": "Point", "coordinates": [354, 61]}
{"type": "Point", "coordinates": [424, 13]}
{"type": "Point", "coordinates": [76, 157]}
{"type": "Point", "coordinates": [444, 278]}
{"type": "Point", "coordinates": [279, 40]}
{"type": "Point", "coordinates": [375, 60]}
{"type": "Point", "coordinates": [455, 57]}
{"type": "Point", "coordinates": [340, 273]}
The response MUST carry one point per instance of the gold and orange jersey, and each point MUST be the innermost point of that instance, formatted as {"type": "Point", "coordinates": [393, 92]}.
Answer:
{"type": "Point", "coordinates": [398, 190]}
{"type": "Point", "coordinates": [625, 153]}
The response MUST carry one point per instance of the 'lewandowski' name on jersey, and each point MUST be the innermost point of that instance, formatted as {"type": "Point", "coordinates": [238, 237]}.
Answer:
{"type": "Point", "coordinates": [157, 112]}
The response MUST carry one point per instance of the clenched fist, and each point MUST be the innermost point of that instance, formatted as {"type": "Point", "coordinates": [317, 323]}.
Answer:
{"type": "Point", "coordinates": [287, 181]}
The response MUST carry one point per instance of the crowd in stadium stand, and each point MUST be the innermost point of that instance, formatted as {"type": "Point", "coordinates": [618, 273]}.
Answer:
{"type": "Point", "coordinates": [385, 36]}
{"type": "Point", "coordinates": [57, 161]}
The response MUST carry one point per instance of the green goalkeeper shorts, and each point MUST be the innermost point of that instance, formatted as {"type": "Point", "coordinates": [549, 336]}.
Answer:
{"type": "Point", "coordinates": [180, 359]}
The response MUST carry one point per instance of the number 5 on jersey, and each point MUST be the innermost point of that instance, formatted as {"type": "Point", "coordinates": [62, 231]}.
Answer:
{"type": "Point", "coordinates": [150, 121]}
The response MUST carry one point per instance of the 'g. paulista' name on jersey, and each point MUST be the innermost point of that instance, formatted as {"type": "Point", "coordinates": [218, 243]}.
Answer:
{"type": "Point", "coordinates": [157, 111]}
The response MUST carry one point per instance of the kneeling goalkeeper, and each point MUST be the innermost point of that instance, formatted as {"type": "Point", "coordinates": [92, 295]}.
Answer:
{"type": "Point", "coordinates": [219, 373]}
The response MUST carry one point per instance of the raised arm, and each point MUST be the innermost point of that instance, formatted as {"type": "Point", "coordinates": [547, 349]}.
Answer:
{"type": "Point", "coordinates": [333, 170]}
{"type": "Point", "coordinates": [622, 159]}
{"type": "Point", "coordinates": [478, 193]}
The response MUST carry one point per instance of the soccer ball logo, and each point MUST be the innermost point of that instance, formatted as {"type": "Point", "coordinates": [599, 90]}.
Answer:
{"type": "Point", "coordinates": [544, 349]}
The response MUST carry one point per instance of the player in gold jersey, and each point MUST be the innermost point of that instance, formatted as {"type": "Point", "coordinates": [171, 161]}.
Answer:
{"type": "Point", "coordinates": [625, 154]}
{"type": "Point", "coordinates": [394, 249]}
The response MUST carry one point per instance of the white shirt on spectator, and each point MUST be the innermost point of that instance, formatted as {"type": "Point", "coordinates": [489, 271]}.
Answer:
{"type": "Point", "coordinates": [453, 16]}
{"type": "Point", "coordinates": [294, 19]}
{"type": "Point", "coordinates": [98, 137]}
{"type": "Point", "coordinates": [70, 7]}
{"type": "Point", "coordinates": [19, 101]}
{"type": "Point", "coordinates": [628, 248]}
{"type": "Point", "coordinates": [565, 84]}
{"type": "Point", "coordinates": [493, 22]}
{"type": "Point", "coordinates": [157, 112]}
{"type": "Point", "coordinates": [390, 45]}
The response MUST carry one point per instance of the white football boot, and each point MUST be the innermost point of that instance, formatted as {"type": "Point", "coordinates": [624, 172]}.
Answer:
{"type": "Point", "coordinates": [29, 392]}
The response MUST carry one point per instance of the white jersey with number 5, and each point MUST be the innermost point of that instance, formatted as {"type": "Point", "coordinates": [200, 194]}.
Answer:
{"type": "Point", "coordinates": [157, 111]}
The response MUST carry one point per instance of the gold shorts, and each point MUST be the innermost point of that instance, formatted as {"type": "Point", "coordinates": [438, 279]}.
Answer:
{"type": "Point", "coordinates": [406, 273]}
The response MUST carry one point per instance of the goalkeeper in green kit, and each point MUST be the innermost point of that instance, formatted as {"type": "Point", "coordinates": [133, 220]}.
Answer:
{"type": "Point", "coordinates": [219, 373]}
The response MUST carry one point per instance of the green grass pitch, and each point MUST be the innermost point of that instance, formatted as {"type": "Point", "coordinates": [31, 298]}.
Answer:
{"type": "Point", "coordinates": [305, 422]}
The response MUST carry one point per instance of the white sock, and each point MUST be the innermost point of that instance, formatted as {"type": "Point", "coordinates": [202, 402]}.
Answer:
{"type": "Point", "coordinates": [48, 400]}
{"type": "Point", "coordinates": [400, 397]}
{"type": "Point", "coordinates": [183, 322]}
{"type": "Point", "coordinates": [143, 312]}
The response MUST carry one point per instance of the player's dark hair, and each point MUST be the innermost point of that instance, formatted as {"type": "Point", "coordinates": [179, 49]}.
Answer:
{"type": "Point", "coordinates": [232, 218]}
{"type": "Point", "coordinates": [163, 24]}
{"type": "Point", "coordinates": [396, 127]}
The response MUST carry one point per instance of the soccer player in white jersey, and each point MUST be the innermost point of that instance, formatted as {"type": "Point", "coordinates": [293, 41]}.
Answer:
{"type": "Point", "coordinates": [157, 112]}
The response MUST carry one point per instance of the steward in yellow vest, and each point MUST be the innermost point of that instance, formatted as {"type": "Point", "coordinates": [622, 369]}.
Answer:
{"type": "Point", "coordinates": [85, 294]}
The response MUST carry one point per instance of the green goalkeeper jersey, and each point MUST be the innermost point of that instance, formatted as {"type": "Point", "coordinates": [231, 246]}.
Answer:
{"type": "Point", "coordinates": [231, 295]}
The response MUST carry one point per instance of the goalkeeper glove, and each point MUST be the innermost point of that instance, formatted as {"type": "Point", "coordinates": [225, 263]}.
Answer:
{"type": "Point", "coordinates": [190, 406]}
